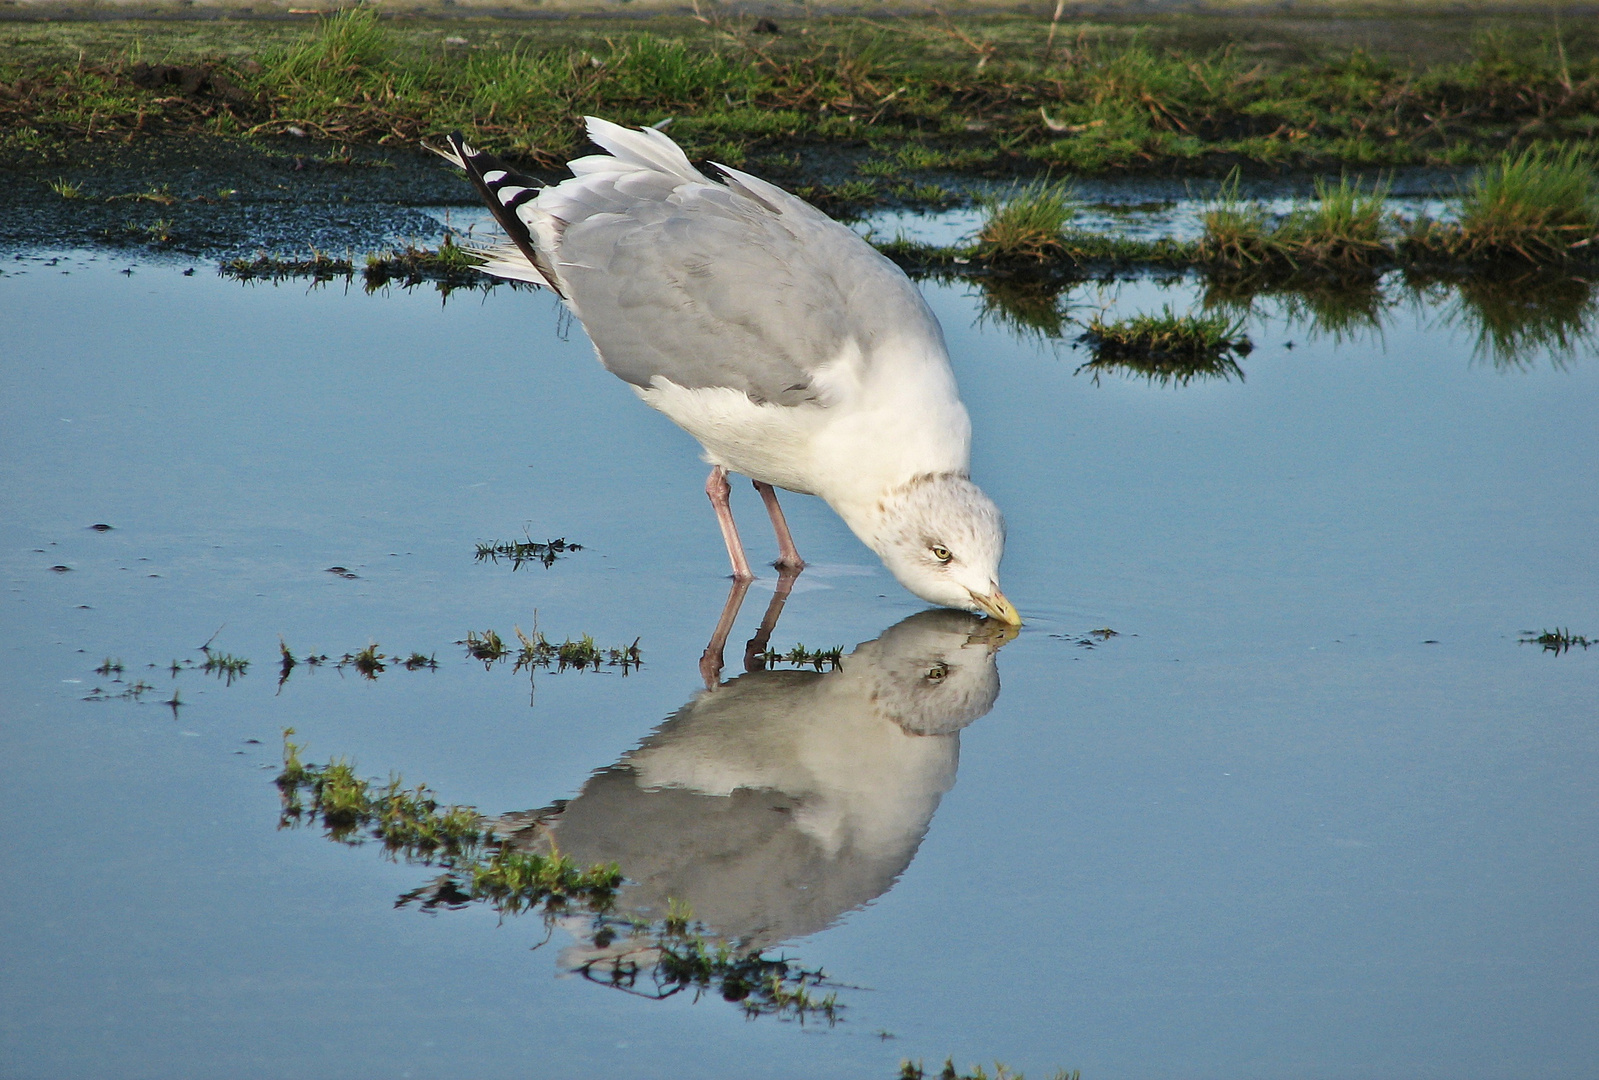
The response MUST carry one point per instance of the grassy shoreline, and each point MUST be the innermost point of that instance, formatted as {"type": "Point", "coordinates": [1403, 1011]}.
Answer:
{"type": "Point", "coordinates": [897, 105]}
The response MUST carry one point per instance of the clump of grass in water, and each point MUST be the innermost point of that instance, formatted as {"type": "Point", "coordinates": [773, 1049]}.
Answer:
{"type": "Point", "coordinates": [518, 552]}
{"type": "Point", "coordinates": [539, 651]}
{"type": "Point", "coordinates": [409, 822]}
{"type": "Point", "coordinates": [319, 267]}
{"type": "Point", "coordinates": [1236, 230]}
{"type": "Point", "coordinates": [630, 954]}
{"type": "Point", "coordinates": [1535, 205]}
{"type": "Point", "coordinates": [1167, 348]}
{"type": "Point", "coordinates": [1027, 223]}
{"type": "Point", "coordinates": [1557, 641]}
{"type": "Point", "coordinates": [65, 188]}
{"type": "Point", "coordinates": [450, 264]}
{"type": "Point", "coordinates": [1344, 225]}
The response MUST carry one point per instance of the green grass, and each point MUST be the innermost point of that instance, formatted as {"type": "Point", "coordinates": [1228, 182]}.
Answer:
{"type": "Point", "coordinates": [1535, 204]}
{"type": "Point", "coordinates": [1166, 348]}
{"type": "Point", "coordinates": [1343, 226]}
{"type": "Point", "coordinates": [1026, 223]}
{"type": "Point", "coordinates": [1149, 92]}
{"type": "Point", "coordinates": [1237, 231]}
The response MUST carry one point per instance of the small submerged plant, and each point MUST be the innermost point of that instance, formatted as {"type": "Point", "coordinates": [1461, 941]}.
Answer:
{"type": "Point", "coordinates": [909, 1070]}
{"type": "Point", "coordinates": [65, 188]}
{"type": "Point", "coordinates": [517, 552]}
{"type": "Point", "coordinates": [1167, 348]}
{"type": "Point", "coordinates": [1557, 641]}
{"type": "Point", "coordinates": [451, 264]}
{"type": "Point", "coordinates": [488, 648]}
{"type": "Point", "coordinates": [1027, 223]}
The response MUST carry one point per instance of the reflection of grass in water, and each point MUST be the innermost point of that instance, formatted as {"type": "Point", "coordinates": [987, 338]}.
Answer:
{"type": "Point", "coordinates": [1344, 308]}
{"type": "Point", "coordinates": [1167, 348]}
{"type": "Point", "coordinates": [1030, 309]}
{"type": "Point", "coordinates": [1516, 320]}
{"type": "Point", "coordinates": [651, 959]}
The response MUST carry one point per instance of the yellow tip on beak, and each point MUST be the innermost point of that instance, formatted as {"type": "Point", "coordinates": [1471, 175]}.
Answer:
{"type": "Point", "coordinates": [999, 608]}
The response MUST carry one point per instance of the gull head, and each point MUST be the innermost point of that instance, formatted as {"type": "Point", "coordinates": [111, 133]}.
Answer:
{"type": "Point", "coordinates": [943, 539]}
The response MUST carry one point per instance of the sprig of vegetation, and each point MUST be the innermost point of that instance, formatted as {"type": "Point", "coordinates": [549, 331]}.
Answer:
{"type": "Point", "coordinates": [225, 666]}
{"type": "Point", "coordinates": [1538, 205]}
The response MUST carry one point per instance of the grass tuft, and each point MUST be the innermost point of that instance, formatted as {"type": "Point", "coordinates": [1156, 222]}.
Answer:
{"type": "Point", "coordinates": [1026, 224]}
{"type": "Point", "coordinates": [1537, 205]}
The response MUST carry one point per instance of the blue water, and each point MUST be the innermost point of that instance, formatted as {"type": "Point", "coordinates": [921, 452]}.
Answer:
{"type": "Point", "coordinates": [1314, 812]}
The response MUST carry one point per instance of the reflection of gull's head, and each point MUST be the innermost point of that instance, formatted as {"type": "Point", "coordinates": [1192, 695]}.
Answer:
{"type": "Point", "coordinates": [934, 673]}
{"type": "Point", "coordinates": [784, 798]}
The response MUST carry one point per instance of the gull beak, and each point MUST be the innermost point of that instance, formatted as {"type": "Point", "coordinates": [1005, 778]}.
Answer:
{"type": "Point", "coordinates": [998, 607]}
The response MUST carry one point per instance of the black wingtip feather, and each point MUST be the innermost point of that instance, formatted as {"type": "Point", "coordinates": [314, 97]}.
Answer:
{"type": "Point", "coordinates": [504, 189]}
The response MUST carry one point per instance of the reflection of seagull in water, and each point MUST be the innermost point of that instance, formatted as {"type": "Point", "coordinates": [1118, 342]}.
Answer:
{"type": "Point", "coordinates": [783, 799]}
{"type": "Point", "coordinates": [794, 352]}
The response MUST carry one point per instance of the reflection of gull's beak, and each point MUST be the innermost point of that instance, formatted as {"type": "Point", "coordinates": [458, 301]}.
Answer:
{"type": "Point", "coordinates": [998, 607]}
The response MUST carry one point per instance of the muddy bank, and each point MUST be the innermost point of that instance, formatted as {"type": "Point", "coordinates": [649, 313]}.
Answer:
{"type": "Point", "coordinates": [222, 197]}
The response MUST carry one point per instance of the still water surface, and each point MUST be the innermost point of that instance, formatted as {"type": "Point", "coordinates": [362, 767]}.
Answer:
{"type": "Point", "coordinates": [1314, 812]}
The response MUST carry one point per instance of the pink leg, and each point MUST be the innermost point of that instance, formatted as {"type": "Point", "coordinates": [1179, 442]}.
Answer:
{"type": "Point", "coordinates": [788, 556]}
{"type": "Point", "coordinates": [717, 487]}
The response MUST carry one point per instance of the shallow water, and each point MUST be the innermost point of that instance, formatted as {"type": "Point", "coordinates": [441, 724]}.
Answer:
{"type": "Point", "coordinates": [1313, 812]}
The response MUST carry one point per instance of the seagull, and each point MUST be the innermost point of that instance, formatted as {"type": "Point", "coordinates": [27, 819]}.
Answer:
{"type": "Point", "coordinates": [794, 352]}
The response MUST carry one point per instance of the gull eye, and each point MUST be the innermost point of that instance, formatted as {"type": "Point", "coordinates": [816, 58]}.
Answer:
{"type": "Point", "coordinates": [937, 672]}
{"type": "Point", "coordinates": [941, 553]}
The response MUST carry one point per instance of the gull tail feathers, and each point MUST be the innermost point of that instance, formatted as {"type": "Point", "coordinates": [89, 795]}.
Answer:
{"type": "Point", "coordinates": [646, 148]}
{"type": "Point", "coordinates": [505, 191]}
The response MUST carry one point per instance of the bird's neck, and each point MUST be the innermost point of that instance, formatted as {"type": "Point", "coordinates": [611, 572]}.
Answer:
{"type": "Point", "coordinates": [872, 514]}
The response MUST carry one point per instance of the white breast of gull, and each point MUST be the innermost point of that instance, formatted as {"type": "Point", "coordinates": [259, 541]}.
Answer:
{"type": "Point", "coordinates": [792, 350]}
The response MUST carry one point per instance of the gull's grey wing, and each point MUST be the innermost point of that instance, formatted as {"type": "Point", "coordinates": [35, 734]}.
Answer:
{"type": "Point", "coordinates": [739, 285]}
